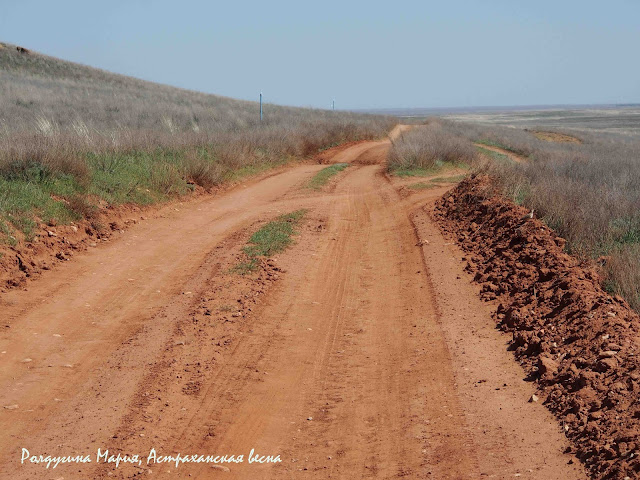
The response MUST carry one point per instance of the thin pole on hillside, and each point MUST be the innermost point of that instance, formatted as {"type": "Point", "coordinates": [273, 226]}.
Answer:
{"type": "Point", "coordinates": [333, 104]}
{"type": "Point", "coordinates": [260, 106]}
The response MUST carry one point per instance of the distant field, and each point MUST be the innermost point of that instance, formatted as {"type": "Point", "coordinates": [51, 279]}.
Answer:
{"type": "Point", "coordinates": [613, 119]}
{"type": "Point", "coordinates": [604, 118]}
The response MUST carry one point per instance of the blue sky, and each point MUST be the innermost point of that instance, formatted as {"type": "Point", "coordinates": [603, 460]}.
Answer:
{"type": "Point", "coordinates": [364, 54]}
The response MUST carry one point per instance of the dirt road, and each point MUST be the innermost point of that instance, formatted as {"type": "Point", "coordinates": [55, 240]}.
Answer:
{"type": "Point", "coordinates": [502, 151]}
{"type": "Point", "coordinates": [361, 352]}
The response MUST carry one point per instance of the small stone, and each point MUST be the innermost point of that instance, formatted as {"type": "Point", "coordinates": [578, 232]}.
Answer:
{"type": "Point", "coordinates": [220, 467]}
{"type": "Point", "coordinates": [27, 360]}
{"type": "Point", "coordinates": [618, 387]}
{"type": "Point", "coordinates": [534, 398]}
{"type": "Point", "coordinates": [310, 418]}
{"type": "Point", "coordinates": [607, 363]}
{"type": "Point", "coordinates": [547, 366]}
{"type": "Point", "coordinates": [51, 234]}
{"type": "Point", "coordinates": [607, 354]}
{"type": "Point", "coordinates": [11, 407]}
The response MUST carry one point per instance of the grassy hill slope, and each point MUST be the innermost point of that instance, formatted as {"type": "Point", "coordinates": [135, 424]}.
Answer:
{"type": "Point", "coordinates": [74, 139]}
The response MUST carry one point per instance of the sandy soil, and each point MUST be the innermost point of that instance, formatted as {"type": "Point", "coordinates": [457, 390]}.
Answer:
{"type": "Point", "coordinates": [364, 351]}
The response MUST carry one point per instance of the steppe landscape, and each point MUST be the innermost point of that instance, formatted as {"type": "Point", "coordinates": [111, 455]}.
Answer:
{"type": "Point", "coordinates": [415, 294]}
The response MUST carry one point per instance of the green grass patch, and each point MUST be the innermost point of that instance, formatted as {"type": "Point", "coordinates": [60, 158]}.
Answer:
{"type": "Point", "coordinates": [439, 167]}
{"type": "Point", "coordinates": [6, 235]}
{"type": "Point", "coordinates": [272, 238]}
{"type": "Point", "coordinates": [137, 177]}
{"type": "Point", "coordinates": [624, 231]}
{"type": "Point", "coordinates": [22, 200]}
{"type": "Point", "coordinates": [322, 177]}
{"type": "Point", "coordinates": [255, 169]}
{"type": "Point", "coordinates": [452, 179]}
{"type": "Point", "coordinates": [32, 193]}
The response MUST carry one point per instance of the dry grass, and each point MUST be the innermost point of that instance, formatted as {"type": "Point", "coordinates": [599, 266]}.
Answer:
{"type": "Point", "coordinates": [71, 136]}
{"type": "Point", "coordinates": [428, 148]}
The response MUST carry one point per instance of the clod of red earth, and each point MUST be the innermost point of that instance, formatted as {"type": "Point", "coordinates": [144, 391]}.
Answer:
{"type": "Point", "coordinates": [578, 343]}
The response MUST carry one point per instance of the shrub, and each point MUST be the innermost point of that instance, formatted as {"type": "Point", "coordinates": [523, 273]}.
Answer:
{"type": "Point", "coordinates": [429, 147]}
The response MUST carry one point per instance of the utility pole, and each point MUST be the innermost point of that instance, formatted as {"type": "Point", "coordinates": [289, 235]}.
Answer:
{"type": "Point", "coordinates": [260, 106]}
{"type": "Point", "coordinates": [333, 104]}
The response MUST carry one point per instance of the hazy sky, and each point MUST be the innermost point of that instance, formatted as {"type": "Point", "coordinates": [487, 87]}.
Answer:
{"type": "Point", "coordinates": [369, 54]}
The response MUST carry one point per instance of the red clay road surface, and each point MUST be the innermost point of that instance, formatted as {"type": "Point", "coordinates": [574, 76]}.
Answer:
{"type": "Point", "coordinates": [363, 351]}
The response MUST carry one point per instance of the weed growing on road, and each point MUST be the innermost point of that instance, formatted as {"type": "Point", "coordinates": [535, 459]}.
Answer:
{"type": "Point", "coordinates": [322, 177]}
{"type": "Point", "coordinates": [272, 238]}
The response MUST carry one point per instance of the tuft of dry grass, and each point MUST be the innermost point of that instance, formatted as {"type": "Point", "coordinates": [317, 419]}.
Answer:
{"type": "Point", "coordinates": [428, 148]}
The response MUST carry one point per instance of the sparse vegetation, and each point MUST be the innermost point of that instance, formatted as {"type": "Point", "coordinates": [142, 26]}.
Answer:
{"type": "Point", "coordinates": [321, 178]}
{"type": "Point", "coordinates": [272, 238]}
{"type": "Point", "coordinates": [425, 150]}
{"type": "Point", "coordinates": [73, 137]}
{"type": "Point", "coordinates": [451, 179]}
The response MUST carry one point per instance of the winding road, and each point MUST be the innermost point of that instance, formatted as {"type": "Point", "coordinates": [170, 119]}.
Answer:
{"type": "Point", "coordinates": [363, 351]}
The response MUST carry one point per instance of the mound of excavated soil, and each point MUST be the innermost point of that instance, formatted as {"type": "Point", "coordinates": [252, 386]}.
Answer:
{"type": "Point", "coordinates": [578, 343]}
